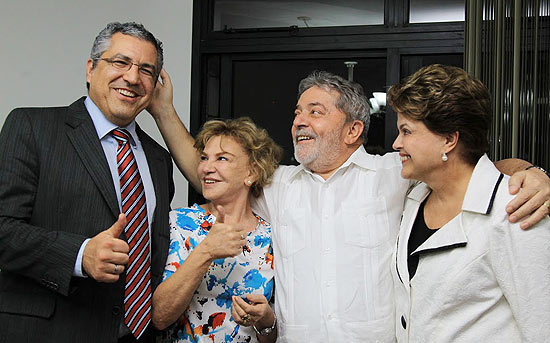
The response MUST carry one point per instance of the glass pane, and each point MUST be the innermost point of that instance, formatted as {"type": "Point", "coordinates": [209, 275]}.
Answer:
{"type": "Point", "coordinates": [433, 11]}
{"type": "Point", "coordinates": [246, 14]}
{"type": "Point", "coordinates": [275, 110]}
{"type": "Point", "coordinates": [411, 63]}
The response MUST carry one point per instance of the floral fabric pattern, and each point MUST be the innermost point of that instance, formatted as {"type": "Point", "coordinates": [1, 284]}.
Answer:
{"type": "Point", "coordinates": [208, 318]}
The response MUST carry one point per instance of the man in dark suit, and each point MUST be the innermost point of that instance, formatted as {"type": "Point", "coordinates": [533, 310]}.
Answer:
{"type": "Point", "coordinates": [80, 250]}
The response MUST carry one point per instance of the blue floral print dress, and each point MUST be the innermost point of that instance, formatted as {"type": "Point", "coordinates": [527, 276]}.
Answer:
{"type": "Point", "coordinates": [208, 318]}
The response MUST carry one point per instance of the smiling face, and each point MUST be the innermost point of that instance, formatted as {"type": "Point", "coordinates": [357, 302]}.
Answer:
{"type": "Point", "coordinates": [121, 95]}
{"type": "Point", "coordinates": [420, 149]}
{"type": "Point", "coordinates": [318, 131]}
{"type": "Point", "coordinates": [224, 170]}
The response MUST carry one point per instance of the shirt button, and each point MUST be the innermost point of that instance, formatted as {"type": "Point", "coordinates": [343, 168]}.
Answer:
{"type": "Point", "coordinates": [329, 316]}
{"type": "Point", "coordinates": [403, 322]}
{"type": "Point", "coordinates": [325, 216]}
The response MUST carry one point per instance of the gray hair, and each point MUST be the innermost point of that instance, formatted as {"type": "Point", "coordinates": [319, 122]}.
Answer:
{"type": "Point", "coordinates": [352, 100]}
{"type": "Point", "coordinates": [103, 40]}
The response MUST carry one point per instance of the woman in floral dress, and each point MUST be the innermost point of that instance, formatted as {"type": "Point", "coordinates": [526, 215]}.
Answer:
{"type": "Point", "coordinates": [218, 277]}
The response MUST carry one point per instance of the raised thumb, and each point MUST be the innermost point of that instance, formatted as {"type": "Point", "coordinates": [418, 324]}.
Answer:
{"type": "Point", "coordinates": [118, 227]}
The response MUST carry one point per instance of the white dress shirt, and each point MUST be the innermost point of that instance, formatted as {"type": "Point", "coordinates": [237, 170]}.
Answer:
{"type": "Point", "coordinates": [479, 278]}
{"type": "Point", "coordinates": [332, 245]}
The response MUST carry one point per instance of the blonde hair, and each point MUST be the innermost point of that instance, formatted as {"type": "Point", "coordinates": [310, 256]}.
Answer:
{"type": "Point", "coordinates": [263, 153]}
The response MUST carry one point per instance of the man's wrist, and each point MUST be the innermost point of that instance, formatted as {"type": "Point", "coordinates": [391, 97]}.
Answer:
{"type": "Point", "coordinates": [78, 269]}
{"type": "Point", "coordinates": [539, 168]}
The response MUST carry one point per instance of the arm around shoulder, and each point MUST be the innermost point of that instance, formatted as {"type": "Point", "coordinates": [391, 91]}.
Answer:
{"type": "Point", "coordinates": [509, 166]}
{"type": "Point", "coordinates": [532, 186]}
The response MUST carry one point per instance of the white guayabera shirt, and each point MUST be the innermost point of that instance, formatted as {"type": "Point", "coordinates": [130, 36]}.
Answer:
{"type": "Point", "coordinates": [332, 243]}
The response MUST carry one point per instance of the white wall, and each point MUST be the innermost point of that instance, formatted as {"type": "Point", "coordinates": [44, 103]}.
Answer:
{"type": "Point", "coordinates": [45, 44]}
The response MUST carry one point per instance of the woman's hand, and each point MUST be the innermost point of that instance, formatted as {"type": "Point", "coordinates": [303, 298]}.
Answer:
{"type": "Point", "coordinates": [161, 105]}
{"type": "Point", "coordinates": [175, 134]}
{"type": "Point", "coordinates": [256, 312]}
{"type": "Point", "coordinates": [224, 240]}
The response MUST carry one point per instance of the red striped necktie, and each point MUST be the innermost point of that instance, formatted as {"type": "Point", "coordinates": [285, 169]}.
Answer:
{"type": "Point", "coordinates": [137, 295]}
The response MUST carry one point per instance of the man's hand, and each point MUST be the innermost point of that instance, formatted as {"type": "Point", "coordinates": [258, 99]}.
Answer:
{"type": "Point", "coordinates": [224, 240]}
{"type": "Point", "coordinates": [533, 197]}
{"type": "Point", "coordinates": [105, 254]}
{"type": "Point", "coordinates": [162, 101]}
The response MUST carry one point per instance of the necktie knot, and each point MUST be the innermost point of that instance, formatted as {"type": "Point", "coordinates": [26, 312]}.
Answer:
{"type": "Point", "coordinates": [122, 136]}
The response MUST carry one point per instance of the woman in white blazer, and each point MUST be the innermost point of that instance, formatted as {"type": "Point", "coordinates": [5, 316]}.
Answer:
{"type": "Point", "coordinates": [462, 272]}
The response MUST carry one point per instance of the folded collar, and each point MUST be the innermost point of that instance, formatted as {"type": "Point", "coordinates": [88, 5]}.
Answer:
{"type": "Point", "coordinates": [360, 157]}
{"type": "Point", "coordinates": [481, 190]}
{"type": "Point", "coordinates": [103, 126]}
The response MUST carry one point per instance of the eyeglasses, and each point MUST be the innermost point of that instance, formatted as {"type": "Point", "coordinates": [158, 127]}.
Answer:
{"type": "Point", "coordinates": [125, 65]}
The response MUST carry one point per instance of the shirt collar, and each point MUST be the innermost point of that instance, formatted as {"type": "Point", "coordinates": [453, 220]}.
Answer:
{"type": "Point", "coordinates": [482, 187]}
{"type": "Point", "coordinates": [103, 126]}
{"type": "Point", "coordinates": [360, 157]}
{"type": "Point", "coordinates": [481, 190]}
{"type": "Point", "coordinates": [419, 192]}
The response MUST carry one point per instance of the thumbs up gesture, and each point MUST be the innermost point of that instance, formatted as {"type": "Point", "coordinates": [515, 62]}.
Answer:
{"type": "Point", "coordinates": [105, 254]}
{"type": "Point", "coordinates": [224, 240]}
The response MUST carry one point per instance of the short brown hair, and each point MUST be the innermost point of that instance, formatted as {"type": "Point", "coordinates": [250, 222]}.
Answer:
{"type": "Point", "coordinates": [447, 99]}
{"type": "Point", "coordinates": [264, 154]}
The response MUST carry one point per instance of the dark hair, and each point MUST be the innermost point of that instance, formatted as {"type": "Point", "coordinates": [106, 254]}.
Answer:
{"type": "Point", "coordinates": [447, 99]}
{"type": "Point", "coordinates": [352, 100]}
{"type": "Point", "coordinates": [264, 154]}
{"type": "Point", "coordinates": [103, 41]}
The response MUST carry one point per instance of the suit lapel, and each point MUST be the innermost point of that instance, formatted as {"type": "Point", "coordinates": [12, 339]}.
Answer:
{"type": "Point", "coordinates": [83, 137]}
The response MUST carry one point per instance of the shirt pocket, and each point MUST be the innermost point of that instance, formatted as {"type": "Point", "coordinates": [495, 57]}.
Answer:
{"type": "Point", "coordinates": [291, 233]}
{"type": "Point", "coordinates": [365, 223]}
{"type": "Point", "coordinates": [28, 304]}
{"type": "Point", "coordinates": [376, 331]}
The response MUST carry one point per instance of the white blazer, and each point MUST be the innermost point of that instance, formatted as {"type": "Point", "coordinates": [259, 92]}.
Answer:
{"type": "Point", "coordinates": [479, 278]}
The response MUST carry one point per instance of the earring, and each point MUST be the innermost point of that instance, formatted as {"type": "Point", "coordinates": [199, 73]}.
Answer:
{"type": "Point", "coordinates": [444, 157]}
{"type": "Point", "coordinates": [248, 182]}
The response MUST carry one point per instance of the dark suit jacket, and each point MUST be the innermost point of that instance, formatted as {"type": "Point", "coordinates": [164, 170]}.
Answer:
{"type": "Point", "coordinates": [56, 190]}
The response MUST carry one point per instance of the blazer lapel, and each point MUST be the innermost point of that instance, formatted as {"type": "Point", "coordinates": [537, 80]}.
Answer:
{"type": "Point", "coordinates": [415, 197]}
{"type": "Point", "coordinates": [450, 236]}
{"type": "Point", "coordinates": [83, 137]}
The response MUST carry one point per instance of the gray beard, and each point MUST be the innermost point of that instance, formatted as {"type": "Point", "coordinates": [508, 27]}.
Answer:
{"type": "Point", "coordinates": [323, 154]}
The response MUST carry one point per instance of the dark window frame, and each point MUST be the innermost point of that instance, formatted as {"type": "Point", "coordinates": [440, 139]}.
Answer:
{"type": "Point", "coordinates": [213, 52]}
